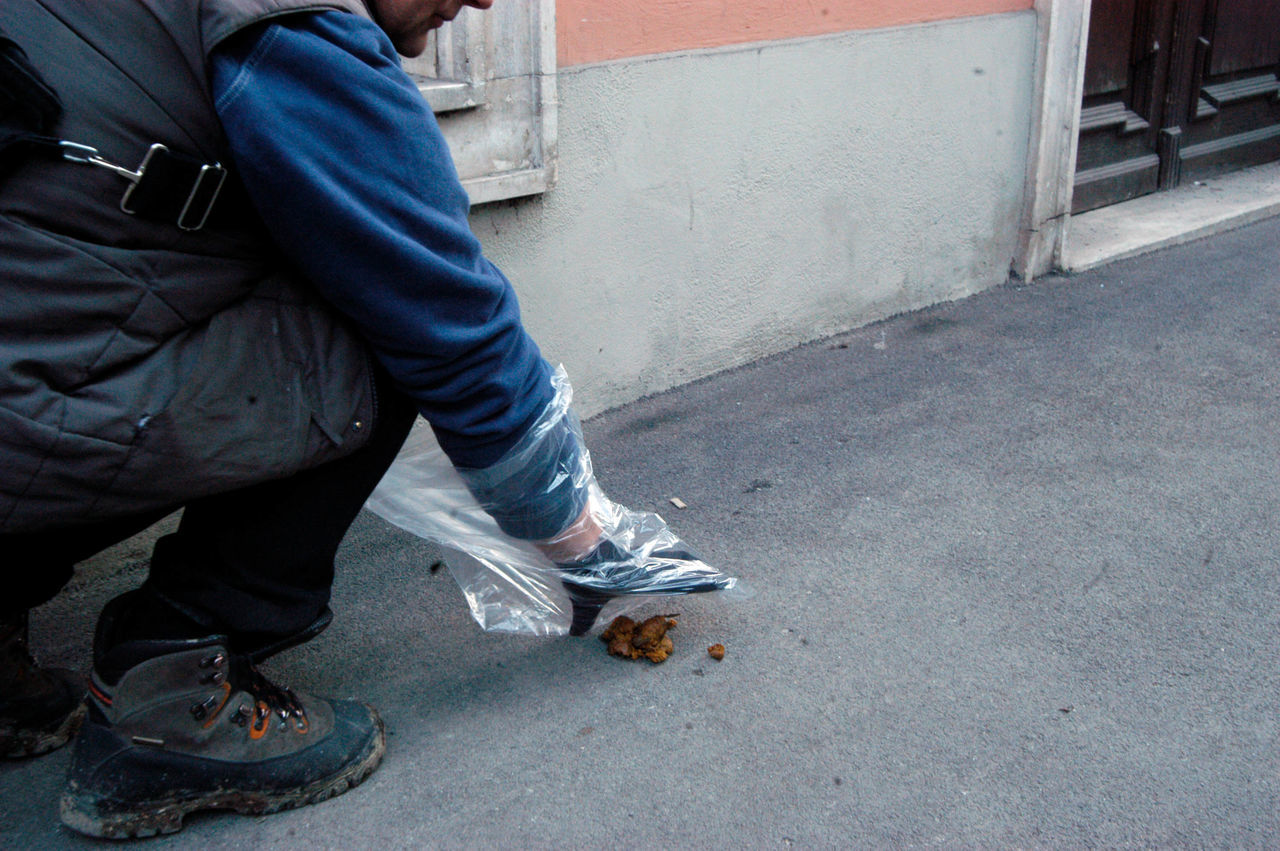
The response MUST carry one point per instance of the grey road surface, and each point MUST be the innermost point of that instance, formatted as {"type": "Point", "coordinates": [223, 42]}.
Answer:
{"type": "Point", "coordinates": [1015, 570]}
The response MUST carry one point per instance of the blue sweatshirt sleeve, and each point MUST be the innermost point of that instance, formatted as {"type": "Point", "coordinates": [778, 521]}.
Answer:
{"type": "Point", "coordinates": [345, 163]}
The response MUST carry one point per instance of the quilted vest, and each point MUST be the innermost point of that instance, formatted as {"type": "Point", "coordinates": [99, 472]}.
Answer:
{"type": "Point", "coordinates": [142, 365]}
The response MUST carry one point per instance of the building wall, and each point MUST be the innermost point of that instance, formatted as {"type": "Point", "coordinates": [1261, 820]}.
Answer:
{"type": "Point", "coordinates": [591, 31]}
{"type": "Point", "coordinates": [716, 205]}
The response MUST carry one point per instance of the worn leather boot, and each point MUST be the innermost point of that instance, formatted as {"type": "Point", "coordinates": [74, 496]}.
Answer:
{"type": "Point", "coordinates": [40, 708]}
{"type": "Point", "coordinates": [185, 725]}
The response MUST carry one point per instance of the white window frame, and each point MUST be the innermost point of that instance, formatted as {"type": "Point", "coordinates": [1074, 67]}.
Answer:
{"type": "Point", "coordinates": [490, 77]}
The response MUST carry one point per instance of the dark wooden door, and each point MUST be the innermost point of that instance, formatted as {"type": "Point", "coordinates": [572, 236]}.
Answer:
{"type": "Point", "coordinates": [1233, 111]}
{"type": "Point", "coordinates": [1125, 78]}
{"type": "Point", "coordinates": [1176, 90]}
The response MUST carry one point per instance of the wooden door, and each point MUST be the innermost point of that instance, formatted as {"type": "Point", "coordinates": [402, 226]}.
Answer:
{"type": "Point", "coordinates": [1176, 90]}
{"type": "Point", "coordinates": [1125, 80]}
{"type": "Point", "coordinates": [1233, 112]}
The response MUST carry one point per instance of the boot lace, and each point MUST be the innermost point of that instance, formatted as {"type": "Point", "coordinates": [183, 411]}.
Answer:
{"type": "Point", "coordinates": [268, 698]}
{"type": "Point", "coordinates": [271, 698]}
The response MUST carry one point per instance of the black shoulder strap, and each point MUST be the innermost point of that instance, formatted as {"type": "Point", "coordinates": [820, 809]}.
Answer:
{"type": "Point", "coordinates": [25, 98]}
{"type": "Point", "coordinates": [167, 186]}
{"type": "Point", "coordinates": [29, 108]}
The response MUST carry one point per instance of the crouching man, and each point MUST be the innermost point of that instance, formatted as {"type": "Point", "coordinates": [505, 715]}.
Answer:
{"type": "Point", "coordinates": [235, 265]}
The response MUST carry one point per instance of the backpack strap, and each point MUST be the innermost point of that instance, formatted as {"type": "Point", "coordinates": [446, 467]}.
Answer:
{"type": "Point", "coordinates": [28, 107]}
{"type": "Point", "coordinates": [166, 186]}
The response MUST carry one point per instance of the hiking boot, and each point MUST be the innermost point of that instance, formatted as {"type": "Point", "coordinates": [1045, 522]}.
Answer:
{"type": "Point", "coordinates": [40, 708]}
{"type": "Point", "coordinates": [185, 725]}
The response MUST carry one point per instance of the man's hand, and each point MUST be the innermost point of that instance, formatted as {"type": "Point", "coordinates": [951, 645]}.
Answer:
{"type": "Point", "coordinates": [614, 552]}
{"type": "Point", "coordinates": [575, 542]}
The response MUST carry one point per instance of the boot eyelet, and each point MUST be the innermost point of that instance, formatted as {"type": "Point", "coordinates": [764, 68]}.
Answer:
{"type": "Point", "coordinates": [217, 660]}
{"type": "Point", "coordinates": [201, 710]}
{"type": "Point", "coordinates": [216, 678]}
{"type": "Point", "coordinates": [261, 721]}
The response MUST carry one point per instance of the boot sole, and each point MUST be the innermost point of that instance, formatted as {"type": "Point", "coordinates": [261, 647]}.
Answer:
{"type": "Point", "coordinates": [93, 816]}
{"type": "Point", "coordinates": [24, 743]}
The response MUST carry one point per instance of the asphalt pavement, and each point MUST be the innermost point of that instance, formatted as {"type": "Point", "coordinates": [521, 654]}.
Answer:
{"type": "Point", "coordinates": [1015, 569]}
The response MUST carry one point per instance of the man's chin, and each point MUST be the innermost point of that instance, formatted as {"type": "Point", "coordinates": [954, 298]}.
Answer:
{"type": "Point", "coordinates": [411, 46]}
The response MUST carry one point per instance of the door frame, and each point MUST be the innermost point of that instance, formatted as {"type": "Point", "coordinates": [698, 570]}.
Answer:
{"type": "Point", "coordinates": [1062, 35]}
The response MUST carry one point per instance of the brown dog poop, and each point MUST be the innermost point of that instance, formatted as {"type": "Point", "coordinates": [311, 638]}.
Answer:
{"type": "Point", "coordinates": [632, 640]}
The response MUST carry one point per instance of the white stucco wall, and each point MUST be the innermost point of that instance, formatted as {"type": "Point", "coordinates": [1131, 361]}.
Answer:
{"type": "Point", "coordinates": [715, 207]}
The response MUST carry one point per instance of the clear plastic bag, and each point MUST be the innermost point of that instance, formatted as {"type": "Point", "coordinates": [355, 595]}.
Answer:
{"type": "Point", "coordinates": [511, 585]}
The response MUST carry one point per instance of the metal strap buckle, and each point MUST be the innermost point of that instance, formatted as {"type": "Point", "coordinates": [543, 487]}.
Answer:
{"type": "Point", "coordinates": [209, 180]}
{"type": "Point", "coordinates": [199, 199]}
{"type": "Point", "coordinates": [213, 175]}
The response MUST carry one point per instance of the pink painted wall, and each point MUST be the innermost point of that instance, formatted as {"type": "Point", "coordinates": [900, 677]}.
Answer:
{"type": "Point", "coordinates": [599, 30]}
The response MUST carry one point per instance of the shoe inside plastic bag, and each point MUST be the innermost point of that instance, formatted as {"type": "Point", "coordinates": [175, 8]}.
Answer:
{"type": "Point", "coordinates": [509, 584]}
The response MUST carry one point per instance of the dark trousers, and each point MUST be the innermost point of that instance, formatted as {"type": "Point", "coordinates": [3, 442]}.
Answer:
{"type": "Point", "coordinates": [255, 562]}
